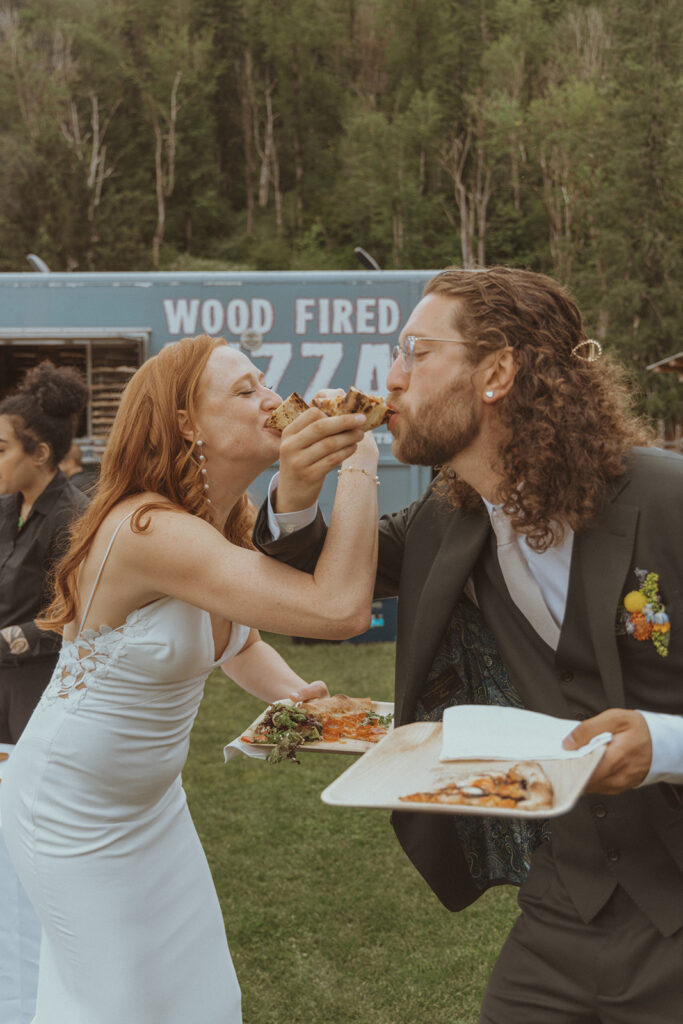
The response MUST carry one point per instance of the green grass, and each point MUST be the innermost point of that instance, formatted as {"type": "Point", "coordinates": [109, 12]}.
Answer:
{"type": "Point", "coordinates": [327, 919]}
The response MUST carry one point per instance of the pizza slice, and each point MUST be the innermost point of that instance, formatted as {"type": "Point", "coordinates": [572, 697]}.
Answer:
{"type": "Point", "coordinates": [345, 717]}
{"type": "Point", "coordinates": [524, 787]}
{"type": "Point", "coordinates": [287, 412]}
{"type": "Point", "coordinates": [375, 409]}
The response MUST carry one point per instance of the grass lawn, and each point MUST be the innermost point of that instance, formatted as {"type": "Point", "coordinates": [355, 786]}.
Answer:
{"type": "Point", "coordinates": [327, 919]}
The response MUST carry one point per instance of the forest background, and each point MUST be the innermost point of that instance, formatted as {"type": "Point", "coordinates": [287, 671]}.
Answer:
{"type": "Point", "coordinates": [280, 134]}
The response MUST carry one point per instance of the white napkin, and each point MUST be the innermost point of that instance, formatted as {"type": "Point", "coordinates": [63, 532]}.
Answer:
{"type": "Point", "coordinates": [237, 746]}
{"type": "Point", "coordinates": [496, 733]}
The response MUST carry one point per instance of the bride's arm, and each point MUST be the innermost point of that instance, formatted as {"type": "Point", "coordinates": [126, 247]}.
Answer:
{"type": "Point", "coordinates": [261, 671]}
{"type": "Point", "coordinates": [185, 557]}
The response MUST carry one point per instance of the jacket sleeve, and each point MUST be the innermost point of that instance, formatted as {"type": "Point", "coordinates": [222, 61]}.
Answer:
{"type": "Point", "coordinates": [302, 549]}
{"type": "Point", "coordinates": [25, 640]}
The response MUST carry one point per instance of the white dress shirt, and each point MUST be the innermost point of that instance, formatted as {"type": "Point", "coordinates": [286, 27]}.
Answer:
{"type": "Point", "coordinates": [550, 569]}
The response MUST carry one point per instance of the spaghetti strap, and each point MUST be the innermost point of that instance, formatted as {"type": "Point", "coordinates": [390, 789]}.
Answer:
{"type": "Point", "coordinates": [99, 571]}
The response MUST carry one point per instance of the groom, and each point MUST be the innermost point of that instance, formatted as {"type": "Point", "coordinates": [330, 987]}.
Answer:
{"type": "Point", "coordinates": [542, 568]}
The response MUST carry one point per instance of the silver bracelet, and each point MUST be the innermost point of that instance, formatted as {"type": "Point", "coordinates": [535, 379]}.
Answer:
{"type": "Point", "coordinates": [357, 469]}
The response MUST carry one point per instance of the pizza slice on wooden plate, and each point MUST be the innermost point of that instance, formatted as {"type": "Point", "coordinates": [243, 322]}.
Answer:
{"type": "Point", "coordinates": [523, 786]}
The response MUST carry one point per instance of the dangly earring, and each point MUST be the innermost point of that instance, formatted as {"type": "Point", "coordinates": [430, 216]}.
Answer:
{"type": "Point", "coordinates": [202, 470]}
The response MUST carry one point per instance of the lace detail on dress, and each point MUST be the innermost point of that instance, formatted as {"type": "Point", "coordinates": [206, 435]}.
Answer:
{"type": "Point", "coordinates": [82, 661]}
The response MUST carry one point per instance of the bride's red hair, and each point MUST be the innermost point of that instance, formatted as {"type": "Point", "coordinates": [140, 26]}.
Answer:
{"type": "Point", "coordinates": [146, 452]}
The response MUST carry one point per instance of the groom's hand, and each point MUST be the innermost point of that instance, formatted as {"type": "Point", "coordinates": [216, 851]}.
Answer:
{"type": "Point", "coordinates": [311, 446]}
{"type": "Point", "coordinates": [627, 756]}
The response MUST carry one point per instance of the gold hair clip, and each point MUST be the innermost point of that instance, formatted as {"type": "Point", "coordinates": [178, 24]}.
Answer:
{"type": "Point", "coordinates": [593, 351]}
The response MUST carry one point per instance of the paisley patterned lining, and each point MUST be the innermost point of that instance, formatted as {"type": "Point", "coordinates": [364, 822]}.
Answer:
{"type": "Point", "coordinates": [468, 669]}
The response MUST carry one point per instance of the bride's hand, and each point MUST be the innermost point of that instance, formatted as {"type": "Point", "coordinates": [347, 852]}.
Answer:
{"type": "Point", "coordinates": [365, 456]}
{"type": "Point", "coordinates": [311, 446]}
{"type": "Point", "coordinates": [310, 691]}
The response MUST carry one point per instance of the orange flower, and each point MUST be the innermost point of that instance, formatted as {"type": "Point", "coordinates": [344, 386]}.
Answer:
{"type": "Point", "coordinates": [642, 628]}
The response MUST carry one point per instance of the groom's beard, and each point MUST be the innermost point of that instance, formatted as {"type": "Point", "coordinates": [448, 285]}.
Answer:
{"type": "Point", "coordinates": [447, 425]}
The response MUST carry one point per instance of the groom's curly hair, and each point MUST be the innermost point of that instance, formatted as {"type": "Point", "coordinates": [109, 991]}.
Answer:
{"type": "Point", "coordinates": [569, 422]}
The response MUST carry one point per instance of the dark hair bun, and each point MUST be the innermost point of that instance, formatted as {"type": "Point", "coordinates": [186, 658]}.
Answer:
{"type": "Point", "coordinates": [60, 391]}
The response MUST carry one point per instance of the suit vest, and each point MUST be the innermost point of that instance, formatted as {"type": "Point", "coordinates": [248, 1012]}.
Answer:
{"type": "Point", "coordinates": [604, 840]}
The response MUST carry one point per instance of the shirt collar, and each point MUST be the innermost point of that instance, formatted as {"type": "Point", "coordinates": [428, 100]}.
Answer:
{"type": "Point", "coordinates": [491, 508]}
{"type": "Point", "coordinates": [498, 510]}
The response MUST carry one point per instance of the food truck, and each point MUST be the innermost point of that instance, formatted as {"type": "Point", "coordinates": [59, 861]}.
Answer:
{"type": "Point", "coordinates": [306, 330]}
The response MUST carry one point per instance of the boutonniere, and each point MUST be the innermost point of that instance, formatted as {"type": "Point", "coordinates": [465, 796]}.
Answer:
{"type": "Point", "coordinates": [644, 613]}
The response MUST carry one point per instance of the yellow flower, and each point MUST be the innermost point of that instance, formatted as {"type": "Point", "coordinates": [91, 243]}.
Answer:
{"type": "Point", "coordinates": [635, 601]}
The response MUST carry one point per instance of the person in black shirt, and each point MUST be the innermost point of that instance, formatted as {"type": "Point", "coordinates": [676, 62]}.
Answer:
{"type": "Point", "coordinates": [37, 504]}
{"type": "Point", "coordinates": [83, 477]}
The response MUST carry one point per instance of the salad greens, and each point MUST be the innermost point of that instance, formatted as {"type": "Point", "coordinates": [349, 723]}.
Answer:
{"type": "Point", "coordinates": [374, 718]}
{"type": "Point", "coordinates": [287, 727]}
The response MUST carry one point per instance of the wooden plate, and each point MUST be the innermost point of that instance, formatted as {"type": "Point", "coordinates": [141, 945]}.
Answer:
{"type": "Point", "coordinates": [407, 761]}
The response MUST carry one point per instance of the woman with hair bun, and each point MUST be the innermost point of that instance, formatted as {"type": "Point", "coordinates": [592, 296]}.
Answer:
{"type": "Point", "coordinates": [160, 585]}
{"type": "Point", "coordinates": [37, 504]}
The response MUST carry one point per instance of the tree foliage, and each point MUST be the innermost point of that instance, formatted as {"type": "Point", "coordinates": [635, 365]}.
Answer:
{"type": "Point", "coordinates": [276, 134]}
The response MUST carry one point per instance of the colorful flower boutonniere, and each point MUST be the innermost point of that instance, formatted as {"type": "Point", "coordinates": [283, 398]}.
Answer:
{"type": "Point", "coordinates": [644, 615]}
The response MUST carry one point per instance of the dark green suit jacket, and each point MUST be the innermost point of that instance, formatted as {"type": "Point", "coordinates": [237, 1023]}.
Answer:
{"type": "Point", "coordinates": [428, 551]}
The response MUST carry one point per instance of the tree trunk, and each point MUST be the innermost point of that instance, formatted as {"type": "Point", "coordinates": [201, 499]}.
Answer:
{"type": "Point", "coordinates": [266, 151]}
{"type": "Point", "coordinates": [164, 177]}
{"type": "Point", "coordinates": [516, 154]}
{"type": "Point", "coordinates": [276, 187]}
{"type": "Point", "coordinates": [480, 201]}
{"type": "Point", "coordinates": [297, 79]}
{"type": "Point", "coordinates": [558, 201]}
{"type": "Point", "coordinates": [98, 170]}
{"type": "Point", "coordinates": [248, 118]}
{"type": "Point", "coordinates": [397, 229]}
{"type": "Point", "coordinates": [159, 188]}
{"type": "Point", "coordinates": [453, 160]}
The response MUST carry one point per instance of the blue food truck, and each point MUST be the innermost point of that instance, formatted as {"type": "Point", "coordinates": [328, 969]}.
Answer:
{"type": "Point", "coordinates": [306, 330]}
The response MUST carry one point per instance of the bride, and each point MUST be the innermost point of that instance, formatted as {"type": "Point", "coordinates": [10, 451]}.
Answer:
{"type": "Point", "coordinates": [159, 586]}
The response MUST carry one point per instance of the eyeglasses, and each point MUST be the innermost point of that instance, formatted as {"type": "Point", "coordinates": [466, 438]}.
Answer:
{"type": "Point", "coordinates": [406, 348]}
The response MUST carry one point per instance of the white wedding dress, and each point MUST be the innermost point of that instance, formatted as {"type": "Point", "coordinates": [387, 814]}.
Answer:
{"type": "Point", "coordinates": [97, 824]}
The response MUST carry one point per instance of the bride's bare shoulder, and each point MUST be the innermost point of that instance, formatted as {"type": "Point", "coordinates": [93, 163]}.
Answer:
{"type": "Point", "coordinates": [148, 513]}
{"type": "Point", "coordinates": [134, 547]}
{"type": "Point", "coordinates": [146, 503]}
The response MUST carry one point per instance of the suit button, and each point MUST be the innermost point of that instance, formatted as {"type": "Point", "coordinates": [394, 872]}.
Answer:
{"type": "Point", "coordinates": [566, 677]}
{"type": "Point", "coordinates": [613, 855]}
{"type": "Point", "coordinates": [600, 811]}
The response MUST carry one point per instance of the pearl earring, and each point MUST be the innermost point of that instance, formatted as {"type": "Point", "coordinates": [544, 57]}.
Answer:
{"type": "Point", "coordinates": [202, 470]}
{"type": "Point", "coordinates": [489, 393]}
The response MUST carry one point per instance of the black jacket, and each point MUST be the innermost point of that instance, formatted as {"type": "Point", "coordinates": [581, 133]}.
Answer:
{"type": "Point", "coordinates": [27, 557]}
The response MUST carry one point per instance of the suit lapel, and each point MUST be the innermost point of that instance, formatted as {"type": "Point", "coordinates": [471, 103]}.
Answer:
{"type": "Point", "coordinates": [432, 581]}
{"type": "Point", "coordinates": [605, 552]}
{"type": "Point", "coordinates": [442, 559]}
